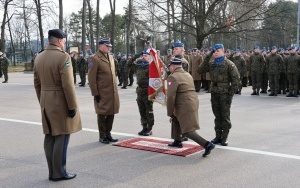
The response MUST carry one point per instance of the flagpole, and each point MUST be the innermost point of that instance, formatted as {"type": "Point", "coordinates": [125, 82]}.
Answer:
{"type": "Point", "coordinates": [298, 23]}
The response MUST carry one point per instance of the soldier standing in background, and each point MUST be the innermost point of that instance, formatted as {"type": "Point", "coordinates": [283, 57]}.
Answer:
{"type": "Point", "coordinates": [225, 79]}
{"type": "Point", "coordinates": [124, 71]}
{"type": "Point", "coordinates": [246, 76]}
{"type": "Point", "coordinates": [257, 62]}
{"type": "Point", "coordinates": [264, 78]}
{"type": "Point", "coordinates": [240, 64]}
{"type": "Point", "coordinates": [130, 72]}
{"type": "Point", "coordinates": [74, 65]}
{"type": "Point", "coordinates": [178, 51]}
{"type": "Point", "coordinates": [82, 67]}
{"type": "Point", "coordinates": [274, 66]}
{"type": "Point", "coordinates": [195, 61]}
{"type": "Point", "coordinates": [282, 77]}
{"type": "Point", "coordinates": [118, 58]}
{"type": "Point", "coordinates": [4, 67]}
{"type": "Point", "coordinates": [167, 59]}
{"type": "Point", "coordinates": [206, 76]}
{"type": "Point", "coordinates": [293, 67]}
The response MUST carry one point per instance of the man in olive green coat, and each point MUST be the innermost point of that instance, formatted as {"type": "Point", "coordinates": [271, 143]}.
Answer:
{"type": "Point", "coordinates": [240, 63]}
{"type": "Point", "coordinates": [293, 67]}
{"type": "Point", "coordinates": [103, 85]}
{"type": "Point", "coordinates": [4, 67]}
{"type": "Point", "coordinates": [225, 79]}
{"type": "Point", "coordinates": [54, 85]}
{"type": "Point", "coordinates": [182, 107]}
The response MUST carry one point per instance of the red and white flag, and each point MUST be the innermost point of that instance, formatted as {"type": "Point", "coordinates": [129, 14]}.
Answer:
{"type": "Point", "coordinates": [156, 88]}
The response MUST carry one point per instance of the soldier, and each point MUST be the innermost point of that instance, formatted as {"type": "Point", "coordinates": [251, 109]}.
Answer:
{"type": "Point", "coordinates": [124, 71]}
{"type": "Point", "coordinates": [54, 85]}
{"type": "Point", "coordinates": [178, 50]}
{"type": "Point", "coordinates": [264, 78]}
{"type": "Point", "coordinates": [167, 59]}
{"type": "Point", "coordinates": [4, 67]}
{"type": "Point", "coordinates": [182, 107]}
{"type": "Point", "coordinates": [246, 75]}
{"type": "Point", "coordinates": [257, 62]}
{"type": "Point", "coordinates": [282, 77]}
{"type": "Point", "coordinates": [82, 66]}
{"type": "Point", "coordinates": [74, 65]}
{"type": "Point", "coordinates": [206, 76]}
{"type": "Point", "coordinates": [293, 67]}
{"type": "Point", "coordinates": [240, 63]}
{"type": "Point", "coordinates": [118, 58]}
{"type": "Point", "coordinates": [102, 81]}
{"type": "Point", "coordinates": [131, 72]}
{"type": "Point", "coordinates": [274, 66]}
{"type": "Point", "coordinates": [225, 79]}
{"type": "Point", "coordinates": [144, 104]}
{"type": "Point", "coordinates": [195, 61]}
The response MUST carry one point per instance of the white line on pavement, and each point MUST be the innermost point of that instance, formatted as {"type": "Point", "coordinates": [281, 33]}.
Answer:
{"type": "Point", "coordinates": [165, 139]}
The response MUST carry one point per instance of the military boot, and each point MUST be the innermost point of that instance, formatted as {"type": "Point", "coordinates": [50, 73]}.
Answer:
{"type": "Point", "coordinates": [141, 133]}
{"type": "Point", "coordinates": [148, 131]}
{"type": "Point", "coordinates": [295, 94]}
{"type": "Point", "coordinates": [224, 141]}
{"type": "Point", "coordinates": [217, 139]}
{"type": "Point", "coordinates": [176, 144]}
{"type": "Point", "coordinates": [254, 92]}
{"type": "Point", "coordinates": [289, 95]}
{"type": "Point", "coordinates": [257, 91]}
{"type": "Point", "coordinates": [272, 94]}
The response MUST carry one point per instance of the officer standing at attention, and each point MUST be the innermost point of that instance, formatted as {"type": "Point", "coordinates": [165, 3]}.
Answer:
{"type": "Point", "coordinates": [195, 61]}
{"type": "Point", "coordinates": [182, 107]}
{"type": "Point", "coordinates": [293, 67]}
{"type": "Point", "coordinates": [82, 66]}
{"type": "Point", "coordinates": [257, 64]}
{"type": "Point", "coordinates": [54, 85]}
{"type": "Point", "coordinates": [167, 59]}
{"type": "Point", "coordinates": [274, 66]}
{"type": "Point", "coordinates": [4, 67]}
{"type": "Point", "coordinates": [240, 63]}
{"type": "Point", "coordinates": [144, 104]}
{"type": "Point", "coordinates": [225, 80]}
{"type": "Point", "coordinates": [103, 85]}
{"type": "Point", "coordinates": [178, 50]}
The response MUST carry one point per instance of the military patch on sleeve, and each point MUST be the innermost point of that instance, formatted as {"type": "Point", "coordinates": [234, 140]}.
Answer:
{"type": "Point", "coordinates": [68, 64]}
{"type": "Point", "coordinates": [90, 64]}
{"type": "Point", "coordinates": [169, 83]}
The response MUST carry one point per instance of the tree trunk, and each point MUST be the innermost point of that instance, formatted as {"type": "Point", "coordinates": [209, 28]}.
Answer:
{"type": "Point", "coordinates": [169, 24]}
{"type": "Point", "coordinates": [12, 44]}
{"type": "Point", "coordinates": [97, 23]}
{"type": "Point", "coordinates": [2, 41]}
{"type": "Point", "coordinates": [40, 26]}
{"type": "Point", "coordinates": [173, 20]}
{"type": "Point", "coordinates": [113, 23]}
{"type": "Point", "coordinates": [128, 26]}
{"type": "Point", "coordinates": [61, 15]}
{"type": "Point", "coordinates": [91, 39]}
{"type": "Point", "coordinates": [83, 42]}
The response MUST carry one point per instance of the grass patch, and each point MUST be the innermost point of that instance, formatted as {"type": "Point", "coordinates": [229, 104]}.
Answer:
{"type": "Point", "coordinates": [18, 68]}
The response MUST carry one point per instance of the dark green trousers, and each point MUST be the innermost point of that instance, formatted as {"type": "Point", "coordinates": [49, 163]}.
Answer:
{"type": "Point", "coordinates": [56, 154]}
{"type": "Point", "coordinates": [145, 109]}
{"type": "Point", "coordinates": [256, 80]}
{"type": "Point", "coordinates": [105, 123]}
{"type": "Point", "coordinates": [274, 82]}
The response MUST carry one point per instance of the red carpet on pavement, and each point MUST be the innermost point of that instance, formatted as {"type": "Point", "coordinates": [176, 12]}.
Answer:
{"type": "Point", "coordinates": [159, 146]}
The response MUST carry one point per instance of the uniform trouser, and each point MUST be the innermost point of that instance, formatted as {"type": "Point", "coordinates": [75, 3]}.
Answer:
{"type": "Point", "coordinates": [274, 82]}
{"type": "Point", "coordinates": [119, 74]}
{"type": "Point", "coordinates": [256, 80]}
{"type": "Point", "coordinates": [221, 103]}
{"type": "Point", "coordinates": [240, 85]}
{"type": "Point", "coordinates": [82, 74]}
{"type": "Point", "coordinates": [264, 82]}
{"type": "Point", "coordinates": [197, 84]}
{"type": "Point", "coordinates": [176, 133]}
{"type": "Point", "coordinates": [105, 123]}
{"type": "Point", "coordinates": [130, 75]}
{"type": "Point", "coordinates": [74, 75]}
{"type": "Point", "coordinates": [125, 78]}
{"type": "Point", "coordinates": [282, 82]}
{"type": "Point", "coordinates": [293, 82]}
{"type": "Point", "coordinates": [0, 71]}
{"type": "Point", "coordinates": [5, 74]}
{"type": "Point", "coordinates": [56, 154]}
{"type": "Point", "coordinates": [146, 110]}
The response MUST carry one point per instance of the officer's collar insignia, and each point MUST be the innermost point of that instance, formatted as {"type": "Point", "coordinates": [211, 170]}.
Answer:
{"type": "Point", "coordinates": [67, 64]}
{"type": "Point", "coordinates": [90, 64]}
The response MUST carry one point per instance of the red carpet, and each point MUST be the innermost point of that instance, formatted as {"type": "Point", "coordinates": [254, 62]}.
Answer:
{"type": "Point", "coordinates": [159, 146]}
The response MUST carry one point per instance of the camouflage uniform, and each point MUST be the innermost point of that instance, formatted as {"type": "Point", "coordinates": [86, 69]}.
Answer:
{"type": "Point", "coordinates": [264, 78]}
{"type": "Point", "coordinates": [82, 67]}
{"type": "Point", "coordinates": [293, 66]}
{"type": "Point", "coordinates": [74, 68]}
{"type": "Point", "coordinates": [274, 66]}
{"type": "Point", "coordinates": [225, 79]}
{"type": "Point", "coordinates": [257, 63]}
{"type": "Point", "coordinates": [185, 63]}
{"type": "Point", "coordinates": [240, 63]}
{"type": "Point", "coordinates": [283, 77]}
{"type": "Point", "coordinates": [118, 69]}
{"type": "Point", "coordinates": [4, 67]}
{"type": "Point", "coordinates": [124, 71]}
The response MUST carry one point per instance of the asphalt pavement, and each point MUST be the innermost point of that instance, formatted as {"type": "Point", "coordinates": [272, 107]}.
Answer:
{"type": "Point", "coordinates": [263, 151]}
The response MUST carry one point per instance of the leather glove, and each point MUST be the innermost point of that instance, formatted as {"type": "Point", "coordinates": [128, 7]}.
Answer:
{"type": "Point", "coordinates": [97, 98]}
{"type": "Point", "coordinates": [171, 118]}
{"type": "Point", "coordinates": [168, 72]}
{"type": "Point", "coordinates": [72, 113]}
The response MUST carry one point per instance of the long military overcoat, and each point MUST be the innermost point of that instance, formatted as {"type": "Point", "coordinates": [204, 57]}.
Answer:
{"type": "Point", "coordinates": [182, 100]}
{"type": "Point", "coordinates": [102, 81]}
{"type": "Point", "coordinates": [54, 85]}
{"type": "Point", "coordinates": [195, 63]}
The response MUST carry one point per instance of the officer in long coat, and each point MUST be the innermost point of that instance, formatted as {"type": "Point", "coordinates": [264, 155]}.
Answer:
{"type": "Point", "coordinates": [54, 85]}
{"type": "Point", "coordinates": [195, 61]}
{"type": "Point", "coordinates": [103, 85]}
{"type": "Point", "coordinates": [182, 107]}
{"type": "Point", "coordinates": [225, 79]}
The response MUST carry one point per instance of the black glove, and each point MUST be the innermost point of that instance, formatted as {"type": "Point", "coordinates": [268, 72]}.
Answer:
{"type": "Point", "coordinates": [168, 72]}
{"type": "Point", "coordinates": [212, 52]}
{"type": "Point", "coordinates": [72, 113]}
{"type": "Point", "coordinates": [97, 98]}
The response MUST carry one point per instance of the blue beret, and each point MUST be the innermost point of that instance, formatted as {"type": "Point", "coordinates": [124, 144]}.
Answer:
{"type": "Point", "coordinates": [274, 47]}
{"type": "Point", "coordinates": [218, 46]}
{"type": "Point", "coordinates": [57, 33]}
{"type": "Point", "coordinates": [105, 42]}
{"type": "Point", "coordinates": [256, 47]}
{"type": "Point", "coordinates": [175, 61]}
{"type": "Point", "coordinates": [228, 51]}
{"type": "Point", "coordinates": [177, 44]}
{"type": "Point", "coordinates": [90, 52]}
{"type": "Point", "coordinates": [129, 55]}
{"type": "Point", "coordinates": [145, 52]}
{"type": "Point", "coordinates": [81, 52]}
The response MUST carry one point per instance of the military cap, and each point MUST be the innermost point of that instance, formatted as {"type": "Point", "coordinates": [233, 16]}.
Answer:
{"type": "Point", "coordinates": [292, 48]}
{"type": "Point", "coordinates": [145, 52]}
{"type": "Point", "coordinates": [256, 47]}
{"type": "Point", "coordinates": [105, 41]}
{"type": "Point", "coordinates": [280, 49]}
{"type": "Point", "coordinates": [274, 47]}
{"type": "Point", "coordinates": [175, 61]}
{"type": "Point", "coordinates": [228, 51]}
{"type": "Point", "coordinates": [90, 52]}
{"type": "Point", "coordinates": [169, 50]}
{"type": "Point", "coordinates": [81, 52]}
{"type": "Point", "coordinates": [177, 44]}
{"type": "Point", "coordinates": [57, 33]}
{"type": "Point", "coordinates": [118, 53]}
{"type": "Point", "coordinates": [129, 55]}
{"type": "Point", "coordinates": [218, 46]}
{"type": "Point", "coordinates": [194, 49]}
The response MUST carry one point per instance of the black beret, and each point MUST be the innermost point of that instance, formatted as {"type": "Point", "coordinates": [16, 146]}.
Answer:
{"type": "Point", "coordinates": [176, 61]}
{"type": "Point", "coordinates": [57, 33]}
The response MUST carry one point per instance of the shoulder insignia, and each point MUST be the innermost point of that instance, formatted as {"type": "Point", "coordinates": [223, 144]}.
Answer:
{"type": "Point", "coordinates": [67, 64]}
{"type": "Point", "coordinates": [90, 64]}
{"type": "Point", "coordinates": [169, 83]}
